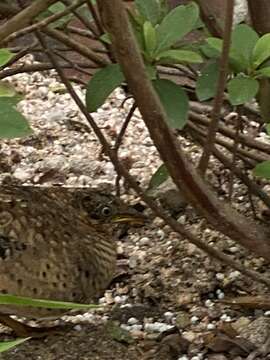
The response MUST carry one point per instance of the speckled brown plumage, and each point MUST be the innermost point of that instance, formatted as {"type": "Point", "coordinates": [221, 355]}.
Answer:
{"type": "Point", "coordinates": [56, 243]}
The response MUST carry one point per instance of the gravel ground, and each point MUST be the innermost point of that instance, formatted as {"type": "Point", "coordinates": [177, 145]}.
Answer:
{"type": "Point", "coordinates": [165, 286]}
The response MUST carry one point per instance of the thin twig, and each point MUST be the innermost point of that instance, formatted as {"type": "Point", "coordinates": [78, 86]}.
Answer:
{"type": "Point", "coordinates": [218, 100]}
{"type": "Point", "coordinates": [124, 127]}
{"type": "Point", "coordinates": [40, 67]}
{"type": "Point", "coordinates": [95, 16]}
{"type": "Point", "coordinates": [234, 154]}
{"type": "Point", "coordinates": [85, 21]}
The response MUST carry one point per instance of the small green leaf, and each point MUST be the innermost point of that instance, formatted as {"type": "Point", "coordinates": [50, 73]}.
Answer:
{"type": "Point", "coordinates": [242, 89]}
{"type": "Point", "coordinates": [209, 52]}
{"type": "Point", "coordinates": [49, 304]}
{"type": "Point", "coordinates": [175, 25]}
{"type": "Point", "coordinates": [6, 89]}
{"type": "Point", "coordinates": [262, 169]}
{"type": "Point", "coordinates": [174, 101]}
{"type": "Point", "coordinates": [150, 37]}
{"type": "Point", "coordinates": [244, 39]}
{"type": "Point", "coordinates": [102, 84]}
{"type": "Point", "coordinates": [178, 56]}
{"type": "Point", "coordinates": [159, 177]}
{"type": "Point", "coordinates": [12, 123]}
{"type": "Point", "coordinates": [5, 56]}
{"type": "Point", "coordinates": [263, 72]}
{"type": "Point", "coordinates": [206, 85]}
{"type": "Point", "coordinates": [105, 38]}
{"type": "Point", "coordinates": [118, 334]}
{"type": "Point", "coordinates": [215, 43]}
{"type": "Point", "coordinates": [151, 10]}
{"type": "Point", "coordinates": [261, 51]}
{"type": "Point", "coordinates": [7, 345]}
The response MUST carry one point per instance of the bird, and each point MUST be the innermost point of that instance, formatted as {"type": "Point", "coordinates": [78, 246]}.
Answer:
{"type": "Point", "coordinates": [57, 243]}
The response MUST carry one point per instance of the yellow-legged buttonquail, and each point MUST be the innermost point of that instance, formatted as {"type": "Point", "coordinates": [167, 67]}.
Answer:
{"type": "Point", "coordinates": [56, 243]}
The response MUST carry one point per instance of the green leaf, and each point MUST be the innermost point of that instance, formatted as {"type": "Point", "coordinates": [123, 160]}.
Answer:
{"type": "Point", "coordinates": [243, 42]}
{"type": "Point", "coordinates": [209, 52]}
{"type": "Point", "coordinates": [150, 10]}
{"type": "Point", "coordinates": [262, 169]}
{"type": "Point", "coordinates": [263, 72]}
{"type": "Point", "coordinates": [244, 39]}
{"type": "Point", "coordinates": [242, 89]}
{"type": "Point", "coordinates": [5, 56]}
{"type": "Point", "coordinates": [268, 129]}
{"type": "Point", "coordinates": [159, 177]}
{"type": "Point", "coordinates": [54, 9]}
{"type": "Point", "coordinates": [215, 43]}
{"type": "Point", "coordinates": [12, 123]}
{"type": "Point", "coordinates": [49, 304]}
{"type": "Point", "coordinates": [102, 84]}
{"type": "Point", "coordinates": [6, 89]}
{"type": "Point", "coordinates": [175, 25]}
{"type": "Point", "coordinates": [178, 56]}
{"type": "Point", "coordinates": [174, 101]}
{"type": "Point", "coordinates": [105, 38]}
{"type": "Point", "coordinates": [150, 37]}
{"type": "Point", "coordinates": [261, 51]}
{"type": "Point", "coordinates": [117, 333]}
{"type": "Point", "coordinates": [206, 85]}
{"type": "Point", "coordinates": [7, 345]}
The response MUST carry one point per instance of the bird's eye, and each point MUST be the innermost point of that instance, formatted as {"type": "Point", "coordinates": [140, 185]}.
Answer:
{"type": "Point", "coordinates": [106, 211]}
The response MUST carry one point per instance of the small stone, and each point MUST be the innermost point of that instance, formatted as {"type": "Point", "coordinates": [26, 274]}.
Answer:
{"type": "Point", "coordinates": [137, 334]}
{"type": "Point", "coordinates": [241, 323]}
{"type": "Point", "coordinates": [132, 321]}
{"type": "Point", "coordinates": [168, 315]}
{"type": "Point", "coordinates": [157, 327]}
{"type": "Point", "coordinates": [144, 241]}
{"type": "Point", "coordinates": [22, 174]}
{"type": "Point", "coordinates": [194, 319]}
{"type": "Point", "coordinates": [211, 326]}
{"type": "Point", "coordinates": [182, 319]}
{"type": "Point", "coordinates": [220, 276]}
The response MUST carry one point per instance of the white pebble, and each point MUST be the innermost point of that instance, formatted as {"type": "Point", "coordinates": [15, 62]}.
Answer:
{"type": "Point", "coordinates": [234, 274]}
{"type": "Point", "coordinates": [225, 318]}
{"type": "Point", "coordinates": [157, 327]}
{"type": "Point", "coordinates": [267, 313]}
{"type": "Point", "coordinates": [220, 295]}
{"type": "Point", "coordinates": [161, 234]}
{"type": "Point", "coordinates": [78, 327]}
{"type": "Point", "coordinates": [194, 319]}
{"type": "Point", "coordinates": [132, 321]}
{"type": "Point", "coordinates": [168, 315]}
{"type": "Point", "coordinates": [211, 327]}
{"type": "Point", "coordinates": [209, 303]}
{"type": "Point", "coordinates": [120, 299]}
{"type": "Point", "coordinates": [220, 276]}
{"type": "Point", "coordinates": [183, 357]}
{"type": "Point", "coordinates": [144, 241]}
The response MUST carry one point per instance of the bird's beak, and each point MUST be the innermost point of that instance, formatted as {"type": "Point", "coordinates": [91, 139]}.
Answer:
{"type": "Point", "coordinates": [131, 216]}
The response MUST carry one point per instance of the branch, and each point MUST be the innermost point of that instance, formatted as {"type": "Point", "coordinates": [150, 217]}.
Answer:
{"type": "Point", "coordinates": [23, 18]}
{"type": "Point", "coordinates": [189, 183]}
{"type": "Point", "coordinates": [44, 22]}
{"type": "Point", "coordinates": [218, 100]}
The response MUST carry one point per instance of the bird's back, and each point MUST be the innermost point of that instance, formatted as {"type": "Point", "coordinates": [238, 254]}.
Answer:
{"type": "Point", "coordinates": [50, 249]}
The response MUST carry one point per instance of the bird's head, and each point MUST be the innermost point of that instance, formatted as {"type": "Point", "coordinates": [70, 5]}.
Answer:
{"type": "Point", "coordinates": [103, 207]}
